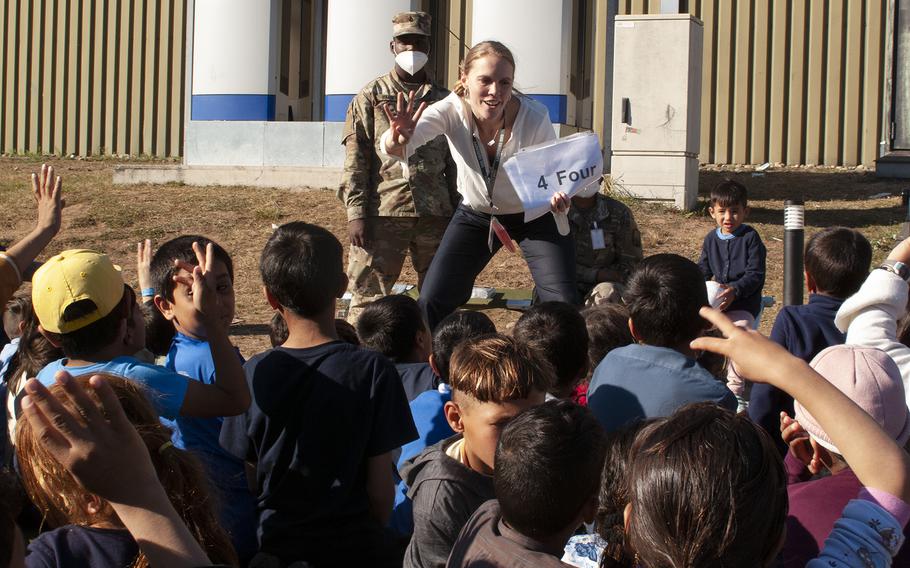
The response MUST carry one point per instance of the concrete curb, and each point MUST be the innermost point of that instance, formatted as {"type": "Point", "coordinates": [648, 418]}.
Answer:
{"type": "Point", "coordinates": [283, 177]}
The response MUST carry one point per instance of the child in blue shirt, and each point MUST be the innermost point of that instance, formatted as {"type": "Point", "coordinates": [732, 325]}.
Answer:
{"type": "Point", "coordinates": [85, 308]}
{"type": "Point", "coordinates": [189, 355]}
{"type": "Point", "coordinates": [660, 372]}
{"type": "Point", "coordinates": [733, 255]}
{"type": "Point", "coordinates": [837, 263]}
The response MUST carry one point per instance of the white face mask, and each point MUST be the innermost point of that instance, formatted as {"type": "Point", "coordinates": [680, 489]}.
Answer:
{"type": "Point", "coordinates": [411, 61]}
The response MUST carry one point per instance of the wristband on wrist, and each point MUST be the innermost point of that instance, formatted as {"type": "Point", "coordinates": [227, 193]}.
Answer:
{"type": "Point", "coordinates": [896, 267]}
{"type": "Point", "coordinates": [148, 292]}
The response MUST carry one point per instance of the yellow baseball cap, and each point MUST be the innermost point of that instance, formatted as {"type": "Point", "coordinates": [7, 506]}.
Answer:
{"type": "Point", "coordinates": [72, 276]}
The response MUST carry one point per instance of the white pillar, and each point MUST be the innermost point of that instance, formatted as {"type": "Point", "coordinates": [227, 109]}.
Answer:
{"type": "Point", "coordinates": [358, 33]}
{"type": "Point", "coordinates": [539, 34]}
{"type": "Point", "coordinates": [235, 59]}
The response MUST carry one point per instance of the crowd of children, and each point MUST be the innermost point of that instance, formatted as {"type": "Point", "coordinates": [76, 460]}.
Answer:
{"type": "Point", "coordinates": [602, 437]}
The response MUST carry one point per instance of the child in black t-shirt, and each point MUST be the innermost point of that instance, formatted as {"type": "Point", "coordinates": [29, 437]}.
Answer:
{"type": "Point", "coordinates": [325, 418]}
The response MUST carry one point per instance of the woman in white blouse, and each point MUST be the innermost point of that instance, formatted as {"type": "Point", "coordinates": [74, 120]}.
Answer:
{"type": "Point", "coordinates": [485, 122]}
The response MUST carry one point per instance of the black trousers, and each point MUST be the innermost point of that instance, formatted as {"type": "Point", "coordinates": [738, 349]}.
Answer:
{"type": "Point", "coordinates": [463, 254]}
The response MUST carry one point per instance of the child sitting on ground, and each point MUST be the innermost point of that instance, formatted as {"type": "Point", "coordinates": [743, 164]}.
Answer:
{"type": "Point", "coordinates": [34, 352]}
{"type": "Point", "coordinates": [608, 328]}
{"type": "Point", "coordinates": [548, 465]}
{"type": "Point", "coordinates": [394, 326]}
{"type": "Point", "coordinates": [659, 374]}
{"type": "Point", "coordinates": [428, 408]}
{"type": "Point", "coordinates": [190, 355]}
{"type": "Point", "coordinates": [607, 548]}
{"type": "Point", "coordinates": [733, 255]}
{"type": "Point", "coordinates": [557, 332]}
{"type": "Point", "coordinates": [721, 499]}
{"type": "Point", "coordinates": [871, 316]}
{"type": "Point", "coordinates": [325, 419]}
{"type": "Point", "coordinates": [87, 531]}
{"type": "Point", "coordinates": [493, 378]}
{"type": "Point", "coordinates": [837, 262]}
{"type": "Point", "coordinates": [871, 379]}
{"type": "Point", "coordinates": [13, 324]}
{"type": "Point", "coordinates": [84, 307]}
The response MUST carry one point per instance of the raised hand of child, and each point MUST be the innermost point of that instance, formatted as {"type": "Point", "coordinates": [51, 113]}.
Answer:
{"type": "Point", "coordinates": [48, 194]}
{"type": "Point", "coordinates": [94, 442]}
{"type": "Point", "coordinates": [202, 283]}
{"type": "Point", "coordinates": [755, 356]}
{"type": "Point", "coordinates": [99, 446]}
{"type": "Point", "coordinates": [797, 439]}
{"type": "Point", "coordinates": [143, 269]}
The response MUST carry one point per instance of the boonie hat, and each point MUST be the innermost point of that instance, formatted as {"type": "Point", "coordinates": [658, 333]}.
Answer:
{"type": "Point", "coordinates": [70, 277]}
{"type": "Point", "coordinates": [411, 23]}
{"type": "Point", "coordinates": [871, 379]}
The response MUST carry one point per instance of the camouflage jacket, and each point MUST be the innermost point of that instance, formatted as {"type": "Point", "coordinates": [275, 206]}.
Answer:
{"type": "Point", "coordinates": [375, 187]}
{"type": "Point", "coordinates": [622, 240]}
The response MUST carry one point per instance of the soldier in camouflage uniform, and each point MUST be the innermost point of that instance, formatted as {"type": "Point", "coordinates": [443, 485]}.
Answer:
{"type": "Point", "coordinates": [607, 247]}
{"type": "Point", "coordinates": [392, 210]}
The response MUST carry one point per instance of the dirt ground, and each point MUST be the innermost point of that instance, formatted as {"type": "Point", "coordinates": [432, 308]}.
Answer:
{"type": "Point", "coordinates": [113, 219]}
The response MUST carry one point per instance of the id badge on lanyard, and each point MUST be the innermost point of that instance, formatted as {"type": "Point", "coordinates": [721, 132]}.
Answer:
{"type": "Point", "coordinates": [489, 178]}
{"type": "Point", "coordinates": [597, 238]}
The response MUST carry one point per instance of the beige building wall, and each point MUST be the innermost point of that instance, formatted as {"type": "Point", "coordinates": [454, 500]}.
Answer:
{"type": "Point", "coordinates": [91, 77]}
{"type": "Point", "coordinates": [792, 81]}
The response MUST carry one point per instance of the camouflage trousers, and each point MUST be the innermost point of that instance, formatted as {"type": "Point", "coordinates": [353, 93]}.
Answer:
{"type": "Point", "coordinates": [374, 270]}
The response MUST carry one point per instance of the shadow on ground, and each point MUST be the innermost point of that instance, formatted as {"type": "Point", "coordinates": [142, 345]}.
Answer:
{"type": "Point", "coordinates": [812, 185]}
{"type": "Point", "coordinates": [856, 218]}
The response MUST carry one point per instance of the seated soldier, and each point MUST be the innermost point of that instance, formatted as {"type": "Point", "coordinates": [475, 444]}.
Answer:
{"type": "Point", "coordinates": [607, 245]}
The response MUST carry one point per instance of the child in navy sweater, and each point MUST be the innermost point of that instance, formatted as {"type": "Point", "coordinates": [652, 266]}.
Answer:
{"type": "Point", "coordinates": [733, 255]}
{"type": "Point", "coordinates": [837, 263]}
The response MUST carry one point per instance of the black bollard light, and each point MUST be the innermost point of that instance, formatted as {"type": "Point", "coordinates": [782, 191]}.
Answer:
{"type": "Point", "coordinates": [794, 235]}
{"type": "Point", "coordinates": [905, 203]}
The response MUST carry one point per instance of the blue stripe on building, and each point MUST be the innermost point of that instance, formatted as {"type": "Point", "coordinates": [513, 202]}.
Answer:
{"type": "Point", "coordinates": [556, 104]}
{"type": "Point", "coordinates": [336, 107]}
{"type": "Point", "coordinates": [233, 107]}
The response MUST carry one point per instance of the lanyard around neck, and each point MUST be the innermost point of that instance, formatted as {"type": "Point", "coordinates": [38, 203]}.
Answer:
{"type": "Point", "coordinates": [489, 177]}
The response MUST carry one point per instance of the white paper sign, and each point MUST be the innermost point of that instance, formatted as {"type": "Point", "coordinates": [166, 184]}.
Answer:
{"type": "Point", "coordinates": [567, 164]}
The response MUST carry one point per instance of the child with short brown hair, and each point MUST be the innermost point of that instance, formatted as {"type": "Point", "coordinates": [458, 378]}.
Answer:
{"type": "Point", "coordinates": [493, 378]}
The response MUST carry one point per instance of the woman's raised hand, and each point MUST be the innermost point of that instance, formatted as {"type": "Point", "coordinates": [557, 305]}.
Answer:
{"type": "Point", "coordinates": [403, 119]}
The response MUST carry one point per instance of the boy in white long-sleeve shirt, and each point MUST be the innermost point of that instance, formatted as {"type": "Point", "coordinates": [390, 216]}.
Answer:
{"type": "Point", "coordinates": [870, 317]}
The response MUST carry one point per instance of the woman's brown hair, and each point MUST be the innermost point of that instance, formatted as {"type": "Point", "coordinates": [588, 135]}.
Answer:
{"type": "Point", "coordinates": [707, 490]}
{"type": "Point", "coordinates": [62, 500]}
{"type": "Point", "coordinates": [480, 50]}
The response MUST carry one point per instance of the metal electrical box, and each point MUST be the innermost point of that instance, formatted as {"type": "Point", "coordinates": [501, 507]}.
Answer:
{"type": "Point", "coordinates": [657, 107]}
